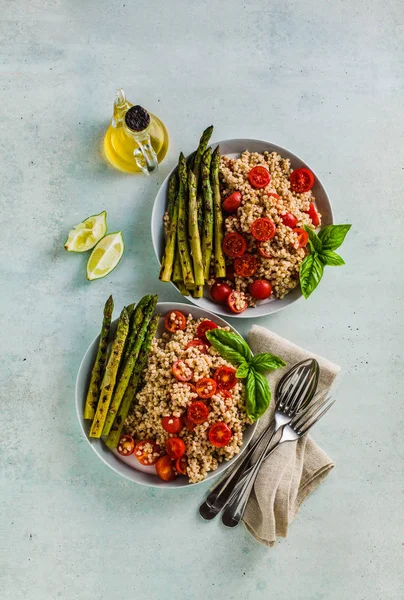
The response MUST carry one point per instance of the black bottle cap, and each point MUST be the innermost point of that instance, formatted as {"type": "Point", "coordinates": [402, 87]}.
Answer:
{"type": "Point", "coordinates": [137, 118]}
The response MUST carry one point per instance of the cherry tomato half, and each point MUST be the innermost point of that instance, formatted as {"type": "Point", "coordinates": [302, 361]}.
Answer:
{"type": "Point", "coordinates": [165, 468]}
{"type": "Point", "coordinates": [313, 214]}
{"type": "Point", "coordinates": [206, 387]}
{"type": "Point", "coordinates": [220, 434]}
{"type": "Point", "coordinates": [191, 387]}
{"type": "Point", "coordinates": [197, 344]}
{"type": "Point", "coordinates": [303, 236]}
{"type": "Point", "coordinates": [230, 273]}
{"type": "Point", "coordinates": [273, 195]}
{"type": "Point", "coordinates": [237, 302]}
{"type": "Point", "coordinates": [172, 424]}
{"type": "Point", "coordinates": [147, 452]}
{"type": "Point", "coordinates": [234, 244]}
{"type": "Point", "coordinates": [259, 177]}
{"type": "Point", "coordinates": [263, 229]}
{"type": "Point", "coordinates": [225, 378]}
{"type": "Point", "coordinates": [289, 220]}
{"type": "Point", "coordinates": [246, 265]}
{"type": "Point", "coordinates": [191, 426]}
{"type": "Point", "coordinates": [301, 180]}
{"type": "Point", "coordinates": [174, 321]}
{"type": "Point", "coordinates": [181, 465]}
{"type": "Point", "coordinates": [219, 292]}
{"type": "Point", "coordinates": [181, 371]}
{"type": "Point", "coordinates": [175, 447]}
{"type": "Point", "coordinates": [260, 289]}
{"type": "Point", "coordinates": [126, 445]}
{"type": "Point", "coordinates": [262, 250]}
{"type": "Point", "coordinates": [232, 202]}
{"type": "Point", "coordinates": [198, 412]}
{"type": "Point", "coordinates": [203, 327]}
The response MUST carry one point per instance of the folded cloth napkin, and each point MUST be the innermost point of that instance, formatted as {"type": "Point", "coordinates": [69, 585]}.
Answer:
{"type": "Point", "coordinates": [295, 469]}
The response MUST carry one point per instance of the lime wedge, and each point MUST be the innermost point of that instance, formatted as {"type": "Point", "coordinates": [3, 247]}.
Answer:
{"type": "Point", "coordinates": [86, 234]}
{"type": "Point", "coordinates": [105, 256]}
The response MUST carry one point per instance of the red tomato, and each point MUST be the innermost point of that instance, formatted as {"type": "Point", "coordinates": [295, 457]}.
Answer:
{"type": "Point", "coordinates": [175, 321]}
{"type": "Point", "coordinates": [172, 424]}
{"type": "Point", "coordinates": [191, 387]}
{"type": "Point", "coordinates": [260, 289]}
{"type": "Point", "coordinates": [219, 292]}
{"type": "Point", "coordinates": [226, 394]}
{"type": "Point", "coordinates": [197, 344]}
{"type": "Point", "coordinates": [225, 378]}
{"type": "Point", "coordinates": [237, 302]}
{"type": "Point", "coordinates": [206, 387]}
{"type": "Point", "coordinates": [246, 265]}
{"type": "Point", "coordinates": [175, 447]}
{"type": "Point", "coordinates": [263, 229]}
{"type": "Point", "coordinates": [165, 468]}
{"type": "Point", "coordinates": [273, 195]}
{"type": "Point", "coordinates": [147, 452]}
{"type": "Point", "coordinates": [197, 412]}
{"type": "Point", "coordinates": [301, 180]}
{"type": "Point", "coordinates": [181, 371]}
{"type": "Point", "coordinates": [259, 177]}
{"type": "Point", "coordinates": [234, 244]}
{"type": "Point", "coordinates": [181, 465]}
{"type": "Point", "coordinates": [289, 220]}
{"type": "Point", "coordinates": [262, 250]}
{"type": "Point", "coordinates": [230, 273]}
{"type": "Point", "coordinates": [220, 434]}
{"type": "Point", "coordinates": [313, 214]}
{"type": "Point", "coordinates": [303, 236]}
{"type": "Point", "coordinates": [191, 426]}
{"type": "Point", "coordinates": [126, 445]}
{"type": "Point", "coordinates": [232, 202]}
{"type": "Point", "coordinates": [203, 327]}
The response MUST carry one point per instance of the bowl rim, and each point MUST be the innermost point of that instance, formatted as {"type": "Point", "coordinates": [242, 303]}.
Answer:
{"type": "Point", "coordinates": [79, 410]}
{"type": "Point", "coordinates": [213, 145]}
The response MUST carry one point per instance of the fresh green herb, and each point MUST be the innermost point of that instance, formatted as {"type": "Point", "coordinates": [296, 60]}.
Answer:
{"type": "Point", "coordinates": [266, 362]}
{"type": "Point", "coordinates": [331, 258]}
{"type": "Point", "coordinates": [333, 236]}
{"type": "Point", "coordinates": [242, 371]}
{"type": "Point", "coordinates": [230, 345]}
{"type": "Point", "coordinates": [311, 272]}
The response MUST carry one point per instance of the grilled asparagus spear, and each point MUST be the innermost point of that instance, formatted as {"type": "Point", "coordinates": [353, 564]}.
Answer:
{"type": "Point", "coordinates": [183, 246]}
{"type": "Point", "coordinates": [207, 234]}
{"type": "Point", "coordinates": [220, 264]}
{"type": "Point", "coordinates": [193, 231]}
{"type": "Point", "coordinates": [169, 252]}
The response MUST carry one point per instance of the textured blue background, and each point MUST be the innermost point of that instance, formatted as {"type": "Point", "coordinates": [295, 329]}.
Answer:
{"type": "Point", "coordinates": [323, 79]}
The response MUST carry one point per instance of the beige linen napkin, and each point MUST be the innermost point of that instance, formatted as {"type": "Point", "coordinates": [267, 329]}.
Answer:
{"type": "Point", "coordinates": [295, 469]}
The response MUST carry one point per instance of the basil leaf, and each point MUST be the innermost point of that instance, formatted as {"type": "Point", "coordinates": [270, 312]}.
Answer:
{"type": "Point", "coordinates": [230, 345]}
{"type": "Point", "coordinates": [242, 371]}
{"type": "Point", "coordinates": [250, 395]}
{"type": "Point", "coordinates": [332, 236]}
{"type": "Point", "coordinates": [258, 395]}
{"type": "Point", "coordinates": [314, 241]}
{"type": "Point", "coordinates": [311, 272]}
{"type": "Point", "coordinates": [266, 362]}
{"type": "Point", "coordinates": [328, 257]}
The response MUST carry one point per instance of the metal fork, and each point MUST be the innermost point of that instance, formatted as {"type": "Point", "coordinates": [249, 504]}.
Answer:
{"type": "Point", "coordinates": [306, 373]}
{"type": "Point", "coordinates": [292, 431]}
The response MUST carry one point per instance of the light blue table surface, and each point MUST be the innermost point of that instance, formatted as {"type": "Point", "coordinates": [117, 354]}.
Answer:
{"type": "Point", "coordinates": [324, 79]}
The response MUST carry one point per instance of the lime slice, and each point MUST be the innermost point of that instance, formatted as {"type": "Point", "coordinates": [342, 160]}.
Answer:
{"type": "Point", "coordinates": [86, 234]}
{"type": "Point", "coordinates": [105, 256]}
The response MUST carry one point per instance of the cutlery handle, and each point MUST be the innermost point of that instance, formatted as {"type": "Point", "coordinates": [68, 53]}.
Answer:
{"type": "Point", "coordinates": [222, 490]}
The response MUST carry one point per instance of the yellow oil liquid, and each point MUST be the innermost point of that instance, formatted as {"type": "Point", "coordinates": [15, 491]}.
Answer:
{"type": "Point", "coordinates": [119, 147]}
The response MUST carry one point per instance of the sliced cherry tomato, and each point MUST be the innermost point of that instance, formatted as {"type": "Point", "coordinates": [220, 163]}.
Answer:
{"type": "Point", "coordinates": [273, 195]}
{"type": "Point", "coordinates": [181, 371]}
{"type": "Point", "coordinates": [174, 321]}
{"type": "Point", "coordinates": [206, 387]}
{"type": "Point", "coordinates": [230, 273]}
{"type": "Point", "coordinates": [126, 445]}
{"type": "Point", "coordinates": [234, 244]}
{"type": "Point", "coordinates": [203, 327]}
{"type": "Point", "coordinates": [219, 292]}
{"type": "Point", "coordinates": [237, 302]}
{"type": "Point", "coordinates": [259, 177]}
{"type": "Point", "coordinates": [147, 452]}
{"type": "Point", "coordinates": [246, 265]}
{"type": "Point", "coordinates": [181, 465]}
{"type": "Point", "coordinates": [198, 412]}
{"type": "Point", "coordinates": [220, 434]}
{"type": "Point", "coordinates": [260, 289]}
{"type": "Point", "coordinates": [165, 468]}
{"type": "Point", "coordinates": [289, 220]}
{"type": "Point", "coordinates": [226, 394]}
{"type": "Point", "coordinates": [263, 229]}
{"type": "Point", "coordinates": [197, 344]}
{"type": "Point", "coordinates": [313, 214]}
{"type": "Point", "coordinates": [232, 202]}
{"type": "Point", "coordinates": [191, 426]}
{"type": "Point", "coordinates": [301, 180]}
{"type": "Point", "coordinates": [262, 250]}
{"type": "Point", "coordinates": [172, 424]}
{"type": "Point", "coordinates": [225, 378]}
{"type": "Point", "coordinates": [303, 236]}
{"type": "Point", "coordinates": [175, 447]}
{"type": "Point", "coordinates": [191, 387]}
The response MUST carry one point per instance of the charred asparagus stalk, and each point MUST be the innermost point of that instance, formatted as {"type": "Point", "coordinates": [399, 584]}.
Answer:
{"type": "Point", "coordinates": [193, 231]}
{"type": "Point", "coordinates": [220, 264]}
{"type": "Point", "coordinates": [182, 231]}
{"type": "Point", "coordinates": [207, 234]}
{"type": "Point", "coordinates": [169, 252]}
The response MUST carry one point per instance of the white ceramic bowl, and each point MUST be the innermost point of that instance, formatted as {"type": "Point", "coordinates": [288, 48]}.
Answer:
{"type": "Point", "coordinates": [234, 148]}
{"type": "Point", "coordinates": [130, 467]}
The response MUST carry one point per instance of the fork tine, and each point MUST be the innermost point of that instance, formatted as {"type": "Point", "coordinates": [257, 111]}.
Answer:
{"type": "Point", "coordinates": [303, 415]}
{"type": "Point", "coordinates": [301, 375]}
{"type": "Point", "coordinates": [308, 424]}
